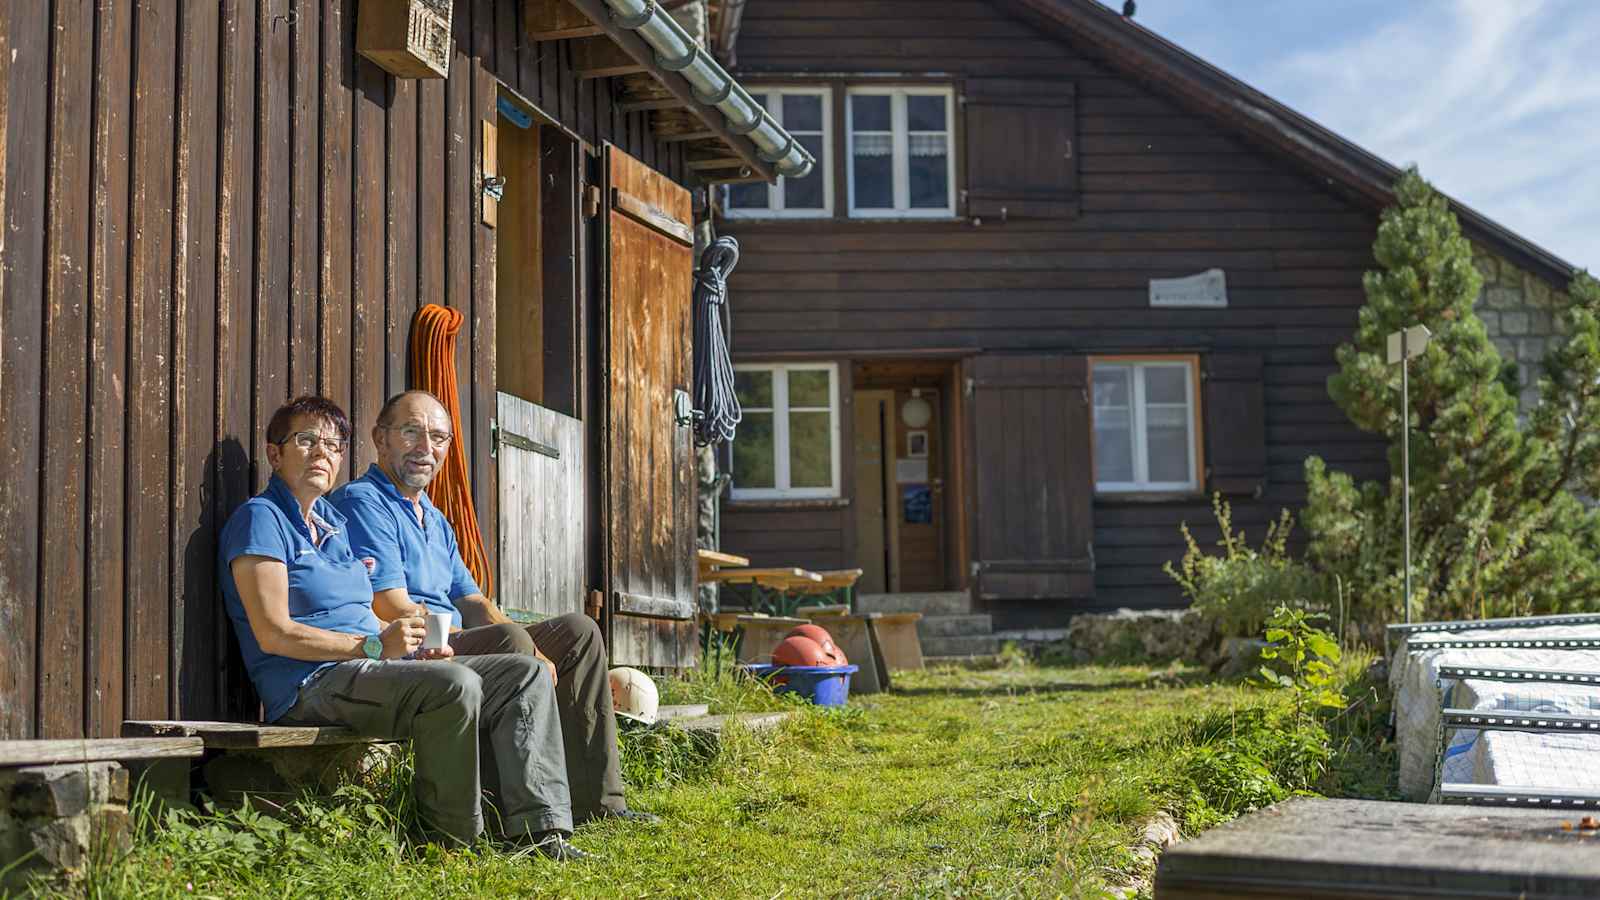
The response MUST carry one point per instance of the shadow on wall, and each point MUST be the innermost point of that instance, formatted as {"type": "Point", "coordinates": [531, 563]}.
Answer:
{"type": "Point", "coordinates": [212, 682]}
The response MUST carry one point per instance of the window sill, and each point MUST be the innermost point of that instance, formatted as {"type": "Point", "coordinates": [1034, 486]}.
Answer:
{"type": "Point", "coordinates": [778, 504]}
{"type": "Point", "coordinates": [1146, 498]}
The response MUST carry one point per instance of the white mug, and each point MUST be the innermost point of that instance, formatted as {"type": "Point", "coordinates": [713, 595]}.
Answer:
{"type": "Point", "coordinates": [438, 631]}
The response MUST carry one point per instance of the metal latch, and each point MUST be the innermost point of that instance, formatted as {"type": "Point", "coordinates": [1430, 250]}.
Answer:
{"type": "Point", "coordinates": [494, 187]}
{"type": "Point", "coordinates": [498, 436]}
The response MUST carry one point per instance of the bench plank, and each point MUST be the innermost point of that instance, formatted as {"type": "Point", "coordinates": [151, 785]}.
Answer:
{"type": "Point", "coordinates": [52, 752]}
{"type": "Point", "coordinates": [244, 735]}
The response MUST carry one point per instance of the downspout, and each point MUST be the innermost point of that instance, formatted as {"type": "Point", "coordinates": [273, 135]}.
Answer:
{"type": "Point", "coordinates": [728, 31]}
{"type": "Point", "coordinates": [676, 51]}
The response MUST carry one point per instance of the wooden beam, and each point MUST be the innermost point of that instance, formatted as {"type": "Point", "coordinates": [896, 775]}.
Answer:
{"type": "Point", "coordinates": [668, 137]}
{"type": "Point", "coordinates": [633, 106]}
{"type": "Point", "coordinates": [714, 162]}
{"type": "Point", "coordinates": [651, 216]}
{"type": "Point", "coordinates": [600, 57]}
{"type": "Point", "coordinates": [555, 20]}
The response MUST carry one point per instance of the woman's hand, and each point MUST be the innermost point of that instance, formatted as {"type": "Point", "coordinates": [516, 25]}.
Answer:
{"type": "Point", "coordinates": [402, 637]}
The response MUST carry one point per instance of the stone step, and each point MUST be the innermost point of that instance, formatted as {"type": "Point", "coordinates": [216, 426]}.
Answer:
{"type": "Point", "coordinates": [955, 626]}
{"type": "Point", "coordinates": [982, 661]}
{"type": "Point", "coordinates": [965, 645]}
{"type": "Point", "coordinates": [684, 711]}
{"type": "Point", "coordinates": [934, 603]}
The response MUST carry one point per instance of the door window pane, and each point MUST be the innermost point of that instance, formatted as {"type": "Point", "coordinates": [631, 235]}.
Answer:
{"type": "Point", "coordinates": [810, 450]}
{"type": "Point", "coordinates": [753, 460]}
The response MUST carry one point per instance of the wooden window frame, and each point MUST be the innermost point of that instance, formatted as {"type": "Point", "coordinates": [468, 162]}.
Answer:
{"type": "Point", "coordinates": [775, 191]}
{"type": "Point", "coordinates": [901, 160]}
{"type": "Point", "coordinates": [1125, 489]}
{"type": "Point", "coordinates": [780, 434]}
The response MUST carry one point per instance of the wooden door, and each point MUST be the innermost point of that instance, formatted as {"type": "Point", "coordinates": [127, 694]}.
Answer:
{"type": "Point", "coordinates": [918, 490]}
{"type": "Point", "coordinates": [649, 487]}
{"type": "Point", "coordinates": [1032, 483]}
{"type": "Point", "coordinates": [539, 453]}
{"type": "Point", "coordinates": [873, 410]}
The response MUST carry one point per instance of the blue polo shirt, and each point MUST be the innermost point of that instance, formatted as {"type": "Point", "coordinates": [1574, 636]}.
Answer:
{"type": "Point", "coordinates": [328, 585]}
{"type": "Point", "coordinates": [422, 558]}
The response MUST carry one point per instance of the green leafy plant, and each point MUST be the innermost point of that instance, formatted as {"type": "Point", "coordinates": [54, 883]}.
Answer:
{"type": "Point", "coordinates": [1306, 660]}
{"type": "Point", "coordinates": [1240, 587]}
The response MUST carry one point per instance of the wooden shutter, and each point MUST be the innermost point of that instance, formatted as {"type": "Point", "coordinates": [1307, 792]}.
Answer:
{"type": "Point", "coordinates": [1033, 483]}
{"type": "Point", "coordinates": [1235, 423]}
{"type": "Point", "coordinates": [1021, 148]}
{"type": "Point", "coordinates": [649, 485]}
{"type": "Point", "coordinates": [539, 453]}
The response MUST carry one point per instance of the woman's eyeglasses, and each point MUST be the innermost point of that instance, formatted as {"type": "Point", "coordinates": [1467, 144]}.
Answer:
{"type": "Point", "coordinates": [308, 440]}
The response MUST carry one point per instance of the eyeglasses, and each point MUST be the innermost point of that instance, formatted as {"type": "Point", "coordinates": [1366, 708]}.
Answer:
{"type": "Point", "coordinates": [308, 440]}
{"type": "Point", "coordinates": [411, 436]}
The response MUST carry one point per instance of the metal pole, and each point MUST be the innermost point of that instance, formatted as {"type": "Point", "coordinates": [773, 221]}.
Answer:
{"type": "Point", "coordinates": [1405, 460]}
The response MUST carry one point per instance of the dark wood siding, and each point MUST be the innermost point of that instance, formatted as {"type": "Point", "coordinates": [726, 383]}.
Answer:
{"type": "Point", "coordinates": [203, 210]}
{"type": "Point", "coordinates": [1163, 193]}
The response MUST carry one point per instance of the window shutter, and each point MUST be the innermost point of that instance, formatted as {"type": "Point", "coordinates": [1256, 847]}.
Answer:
{"type": "Point", "coordinates": [1032, 481]}
{"type": "Point", "coordinates": [1236, 432]}
{"type": "Point", "coordinates": [1021, 148]}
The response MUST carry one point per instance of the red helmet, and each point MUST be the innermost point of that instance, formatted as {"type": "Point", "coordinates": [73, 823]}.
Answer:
{"type": "Point", "coordinates": [798, 651]}
{"type": "Point", "coordinates": [830, 650]}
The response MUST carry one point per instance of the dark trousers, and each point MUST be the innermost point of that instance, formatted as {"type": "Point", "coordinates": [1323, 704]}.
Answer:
{"type": "Point", "coordinates": [583, 700]}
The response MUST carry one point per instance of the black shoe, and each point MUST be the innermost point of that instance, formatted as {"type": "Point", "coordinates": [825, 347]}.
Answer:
{"type": "Point", "coordinates": [551, 845]}
{"type": "Point", "coordinates": [631, 816]}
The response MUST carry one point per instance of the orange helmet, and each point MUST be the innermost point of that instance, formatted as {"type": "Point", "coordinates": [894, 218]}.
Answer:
{"type": "Point", "coordinates": [830, 650]}
{"type": "Point", "coordinates": [798, 651]}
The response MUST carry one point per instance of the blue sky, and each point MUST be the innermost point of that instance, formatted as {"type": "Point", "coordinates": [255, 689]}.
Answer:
{"type": "Point", "coordinates": [1498, 101]}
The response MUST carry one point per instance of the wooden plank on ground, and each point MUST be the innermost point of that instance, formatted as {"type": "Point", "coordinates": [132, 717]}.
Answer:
{"type": "Point", "coordinates": [46, 753]}
{"type": "Point", "coordinates": [1366, 848]}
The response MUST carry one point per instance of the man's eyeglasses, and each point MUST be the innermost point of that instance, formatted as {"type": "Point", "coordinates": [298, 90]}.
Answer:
{"type": "Point", "coordinates": [308, 440]}
{"type": "Point", "coordinates": [411, 436]}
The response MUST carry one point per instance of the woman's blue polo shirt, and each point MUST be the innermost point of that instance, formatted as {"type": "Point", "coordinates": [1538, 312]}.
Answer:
{"type": "Point", "coordinates": [328, 586]}
{"type": "Point", "coordinates": [422, 558]}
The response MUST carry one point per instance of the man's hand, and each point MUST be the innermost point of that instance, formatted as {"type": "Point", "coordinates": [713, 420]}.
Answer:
{"type": "Point", "coordinates": [547, 664]}
{"type": "Point", "coordinates": [402, 637]}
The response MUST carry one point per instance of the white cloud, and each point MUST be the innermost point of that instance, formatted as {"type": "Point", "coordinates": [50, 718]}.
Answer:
{"type": "Point", "coordinates": [1496, 101]}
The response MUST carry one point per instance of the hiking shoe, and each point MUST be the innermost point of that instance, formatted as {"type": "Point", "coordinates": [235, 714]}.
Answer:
{"type": "Point", "coordinates": [631, 816]}
{"type": "Point", "coordinates": [554, 845]}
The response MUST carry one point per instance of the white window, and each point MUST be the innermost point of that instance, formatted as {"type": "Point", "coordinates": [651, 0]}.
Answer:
{"type": "Point", "coordinates": [788, 441]}
{"type": "Point", "coordinates": [901, 164]}
{"type": "Point", "coordinates": [806, 113]}
{"type": "Point", "coordinates": [1145, 434]}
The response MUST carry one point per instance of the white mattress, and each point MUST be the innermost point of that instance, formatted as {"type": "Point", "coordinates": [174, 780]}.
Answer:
{"type": "Point", "coordinates": [1493, 758]}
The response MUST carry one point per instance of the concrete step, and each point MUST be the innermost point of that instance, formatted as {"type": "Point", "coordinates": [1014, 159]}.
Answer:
{"type": "Point", "coordinates": [939, 603]}
{"type": "Point", "coordinates": [955, 626]}
{"type": "Point", "coordinates": [685, 711]}
{"type": "Point", "coordinates": [984, 661]}
{"type": "Point", "coordinates": [964, 645]}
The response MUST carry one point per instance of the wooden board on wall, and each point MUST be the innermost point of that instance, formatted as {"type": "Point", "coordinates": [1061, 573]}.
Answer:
{"type": "Point", "coordinates": [542, 525]}
{"type": "Point", "coordinates": [649, 460]}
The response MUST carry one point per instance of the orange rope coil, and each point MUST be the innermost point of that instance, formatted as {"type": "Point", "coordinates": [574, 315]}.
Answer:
{"type": "Point", "coordinates": [433, 369]}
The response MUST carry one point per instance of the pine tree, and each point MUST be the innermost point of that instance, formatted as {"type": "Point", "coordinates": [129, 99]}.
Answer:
{"type": "Point", "coordinates": [1495, 530]}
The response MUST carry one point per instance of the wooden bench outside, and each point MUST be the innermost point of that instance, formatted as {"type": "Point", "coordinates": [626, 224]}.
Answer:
{"type": "Point", "coordinates": [244, 735]}
{"type": "Point", "coordinates": [56, 752]}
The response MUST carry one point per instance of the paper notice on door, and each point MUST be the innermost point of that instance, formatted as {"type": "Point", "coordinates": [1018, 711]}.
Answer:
{"type": "Point", "coordinates": [910, 470]}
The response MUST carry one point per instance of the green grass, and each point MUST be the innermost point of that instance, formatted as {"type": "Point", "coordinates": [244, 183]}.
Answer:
{"type": "Point", "coordinates": [1018, 781]}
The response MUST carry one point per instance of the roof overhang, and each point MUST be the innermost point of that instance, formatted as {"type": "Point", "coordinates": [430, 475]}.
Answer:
{"type": "Point", "coordinates": [1126, 46]}
{"type": "Point", "coordinates": [730, 137]}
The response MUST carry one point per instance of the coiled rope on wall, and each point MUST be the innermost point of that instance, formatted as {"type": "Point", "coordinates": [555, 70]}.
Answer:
{"type": "Point", "coordinates": [433, 369]}
{"type": "Point", "coordinates": [715, 398]}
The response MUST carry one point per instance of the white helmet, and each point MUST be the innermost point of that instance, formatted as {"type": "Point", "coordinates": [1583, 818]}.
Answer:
{"type": "Point", "coordinates": [634, 695]}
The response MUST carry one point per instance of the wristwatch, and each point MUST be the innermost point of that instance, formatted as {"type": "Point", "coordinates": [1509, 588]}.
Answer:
{"type": "Point", "coordinates": [372, 646]}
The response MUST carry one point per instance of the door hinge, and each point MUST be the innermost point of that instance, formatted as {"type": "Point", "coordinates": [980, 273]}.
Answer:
{"type": "Point", "coordinates": [498, 436]}
{"type": "Point", "coordinates": [591, 201]}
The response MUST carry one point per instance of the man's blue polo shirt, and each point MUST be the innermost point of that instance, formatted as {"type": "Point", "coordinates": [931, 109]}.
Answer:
{"type": "Point", "coordinates": [422, 558]}
{"type": "Point", "coordinates": [328, 586]}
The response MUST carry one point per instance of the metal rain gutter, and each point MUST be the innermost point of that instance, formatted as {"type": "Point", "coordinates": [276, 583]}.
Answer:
{"type": "Point", "coordinates": [676, 51]}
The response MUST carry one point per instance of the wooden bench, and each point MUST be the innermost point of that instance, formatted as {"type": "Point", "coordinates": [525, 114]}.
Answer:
{"type": "Point", "coordinates": [56, 752]}
{"type": "Point", "coordinates": [243, 735]}
{"type": "Point", "coordinates": [894, 634]}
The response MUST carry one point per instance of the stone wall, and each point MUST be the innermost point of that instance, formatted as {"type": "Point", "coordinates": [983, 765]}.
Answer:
{"type": "Point", "coordinates": [1519, 310]}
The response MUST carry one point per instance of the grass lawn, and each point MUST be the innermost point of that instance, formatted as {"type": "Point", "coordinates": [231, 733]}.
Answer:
{"type": "Point", "coordinates": [1019, 781]}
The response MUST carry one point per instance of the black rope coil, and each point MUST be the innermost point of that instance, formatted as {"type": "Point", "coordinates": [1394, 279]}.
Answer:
{"type": "Point", "coordinates": [716, 402]}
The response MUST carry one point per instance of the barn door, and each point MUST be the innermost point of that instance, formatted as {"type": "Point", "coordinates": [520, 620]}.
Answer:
{"type": "Point", "coordinates": [649, 466]}
{"type": "Point", "coordinates": [1033, 488]}
{"type": "Point", "coordinates": [539, 453]}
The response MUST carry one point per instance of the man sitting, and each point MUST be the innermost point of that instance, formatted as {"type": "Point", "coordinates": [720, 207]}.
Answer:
{"type": "Point", "coordinates": [301, 605]}
{"type": "Point", "coordinates": [416, 568]}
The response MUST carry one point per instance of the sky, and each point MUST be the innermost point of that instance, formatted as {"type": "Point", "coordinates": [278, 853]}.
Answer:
{"type": "Point", "coordinates": [1497, 101]}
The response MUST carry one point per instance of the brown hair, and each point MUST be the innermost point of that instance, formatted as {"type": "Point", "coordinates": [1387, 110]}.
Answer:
{"type": "Point", "coordinates": [309, 405]}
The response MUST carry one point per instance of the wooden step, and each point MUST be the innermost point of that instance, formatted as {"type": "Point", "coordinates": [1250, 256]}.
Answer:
{"type": "Point", "coordinates": [54, 752]}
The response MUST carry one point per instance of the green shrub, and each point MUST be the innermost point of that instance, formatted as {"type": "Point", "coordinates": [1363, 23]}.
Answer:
{"type": "Point", "coordinates": [1241, 587]}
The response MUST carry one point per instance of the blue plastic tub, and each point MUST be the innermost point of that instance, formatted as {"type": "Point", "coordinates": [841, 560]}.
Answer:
{"type": "Point", "coordinates": [822, 685]}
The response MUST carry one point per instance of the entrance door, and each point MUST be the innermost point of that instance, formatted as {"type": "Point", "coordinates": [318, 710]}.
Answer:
{"type": "Point", "coordinates": [874, 414]}
{"type": "Point", "coordinates": [918, 497]}
{"type": "Point", "coordinates": [649, 483]}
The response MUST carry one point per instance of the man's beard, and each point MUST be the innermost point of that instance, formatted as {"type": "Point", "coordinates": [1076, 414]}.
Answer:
{"type": "Point", "coordinates": [417, 479]}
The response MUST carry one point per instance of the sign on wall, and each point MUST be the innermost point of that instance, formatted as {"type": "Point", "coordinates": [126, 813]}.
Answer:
{"type": "Point", "coordinates": [1207, 289]}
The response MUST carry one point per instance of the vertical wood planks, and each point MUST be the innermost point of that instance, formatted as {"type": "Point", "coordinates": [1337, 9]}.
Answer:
{"type": "Point", "coordinates": [401, 229]}
{"type": "Point", "coordinates": [335, 208]}
{"type": "Point", "coordinates": [107, 371]}
{"type": "Point", "coordinates": [150, 363]}
{"type": "Point", "coordinates": [272, 227]}
{"type": "Point", "coordinates": [60, 687]}
{"type": "Point", "coordinates": [478, 394]}
{"type": "Point", "coordinates": [542, 535]}
{"type": "Point", "coordinates": [305, 114]}
{"type": "Point", "coordinates": [22, 194]}
{"type": "Point", "coordinates": [368, 367]}
{"type": "Point", "coordinates": [196, 604]}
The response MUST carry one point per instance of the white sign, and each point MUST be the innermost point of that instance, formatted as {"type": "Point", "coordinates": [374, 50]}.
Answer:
{"type": "Point", "coordinates": [1416, 341]}
{"type": "Point", "coordinates": [911, 471]}
{"type": "Point", "coordinates": [1209, 288]}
